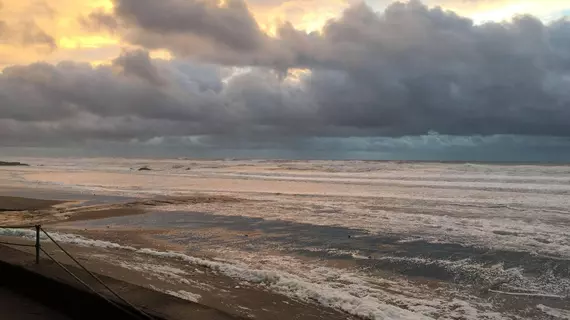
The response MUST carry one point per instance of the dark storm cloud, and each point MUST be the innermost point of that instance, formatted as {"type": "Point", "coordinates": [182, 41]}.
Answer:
{"type": "Point", "coordinates": [412, 70]}
{"type": "Point", "coordinates": [405, 72]}
{"type": "Point", "coordinates": [204, 29]}
{"type": "Point", "coordinates": [231, 25]}
{"type": "Point", "coordinates": [73, 102]}
{"type": "Point", "coordinates": [48, 92]}
{"type": "Point", "coordinates": [138, 64]}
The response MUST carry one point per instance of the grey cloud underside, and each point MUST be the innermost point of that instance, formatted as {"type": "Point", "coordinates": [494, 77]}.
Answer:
{"type": "Point", "coordinates": [405, 72]}
{"type": "Point", "coordinates": [138, 64]}
{"type": "Point", "coordinates": [230, 26]}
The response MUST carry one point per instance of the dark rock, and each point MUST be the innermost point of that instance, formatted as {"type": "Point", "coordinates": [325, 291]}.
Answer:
{"type": "Point", "coordinates": [7, 163]}
{"type": "Point", "coordinates": [145, 168]}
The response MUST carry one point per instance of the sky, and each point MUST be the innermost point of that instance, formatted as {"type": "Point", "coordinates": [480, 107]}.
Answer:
{"type": "Point", "coordinates": [328, 79]}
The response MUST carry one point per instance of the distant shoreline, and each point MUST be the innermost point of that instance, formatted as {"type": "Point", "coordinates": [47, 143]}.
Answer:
{"type": "Point", "coordinates": [294, 160]}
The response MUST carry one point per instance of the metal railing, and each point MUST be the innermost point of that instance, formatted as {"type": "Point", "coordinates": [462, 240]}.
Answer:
{"type": "Point", "coordinates": [140, 314]}
{"type": "Point", "coordinates": [37, 245]}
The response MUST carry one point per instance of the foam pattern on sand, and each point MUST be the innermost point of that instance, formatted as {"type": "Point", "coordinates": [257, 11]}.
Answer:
{"type": "Point", "coordinates": [554, 312]}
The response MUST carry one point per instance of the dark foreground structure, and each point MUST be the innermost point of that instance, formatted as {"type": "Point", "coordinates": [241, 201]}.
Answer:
{"type": "Point", "coordinates": [48, 288]}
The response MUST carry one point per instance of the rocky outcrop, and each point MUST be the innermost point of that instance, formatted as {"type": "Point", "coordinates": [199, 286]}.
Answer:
{"type": "Point", "coordinates": [8, 163]}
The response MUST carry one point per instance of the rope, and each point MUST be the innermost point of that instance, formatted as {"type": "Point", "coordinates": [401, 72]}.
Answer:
{"type": "Point", "coordinates": [86, 285]}
{"type": "Point", "coordinates": [96, 278]}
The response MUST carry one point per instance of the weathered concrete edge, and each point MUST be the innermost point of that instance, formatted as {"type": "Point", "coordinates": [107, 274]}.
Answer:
{"type": "Point", "coordinates": [47, 286]}
{"type": "Point", "coordinates": [60, 296]}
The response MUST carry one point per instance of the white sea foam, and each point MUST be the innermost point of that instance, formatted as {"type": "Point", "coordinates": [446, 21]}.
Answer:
{"type": "Point", "coordinates": [336, 288]}
{"type": "Point", "coordinates": [485, 275]}
{"type": "Point", "coordinates": [281, 282]}
{"type": "Point", "coordinates": [297, 287]}
{"type": "Point", "coordinates": [182, 294]}
{"type": "Point", "coordinates": [554, 312]}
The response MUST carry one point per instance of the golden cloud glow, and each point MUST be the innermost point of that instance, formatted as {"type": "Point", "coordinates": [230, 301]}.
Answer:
{"type": "Point", "coordinates": [59, 18]}
{"type": "Point", "coordinates": [309, 15]}
{"type": "Point", "coordinates": [161, 54]}
{"type": "Point", "coordinates": [86, 41]}
{"type": "Point", "coordinates": [500, 10]}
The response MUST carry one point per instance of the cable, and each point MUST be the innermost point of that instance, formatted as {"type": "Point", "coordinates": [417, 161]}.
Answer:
{"type": "Point", "coordinates": [96, 278]}
{"type": "Point", "coordinates": [74, 276]}
{"type": "Point", "coordinates": [87, 286]}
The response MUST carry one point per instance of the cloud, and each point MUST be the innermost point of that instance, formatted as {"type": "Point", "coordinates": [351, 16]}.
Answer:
{"type": "Point", "coordinates": [413, 69]}
{"type": "Point", "coordinates": [41, 8]}
{"type": "Point", "coordinates": [401, 73]}
{"type": "Point", "coordinates": [73, 102]}
{"type": "Point", "coordinates": [137, 63]}
{"type": "Point", "coordinates": [99, 21]}
{"type": "Point", "coordinates": [212, 31]}
{"type": "Point", "coordinates": [27, 34]}
{"type": "Point", "coordinates": [3, 29]}
{"type": "Point", "coordinates": [31, 35]}
{"type": "Point", "coordinates": [230, 24]}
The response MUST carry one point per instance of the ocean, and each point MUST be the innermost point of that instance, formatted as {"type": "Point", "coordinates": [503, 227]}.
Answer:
{"type": "Point", "coordinates": [374, 239]}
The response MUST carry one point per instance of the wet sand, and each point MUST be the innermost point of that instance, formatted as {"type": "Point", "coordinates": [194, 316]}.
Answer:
{"type": "Point", "coordinates": [102, 214]}
{"type": "Point", "coordinates": [21, 204]}
{"type": "Point", "coordinates": [31, 210]}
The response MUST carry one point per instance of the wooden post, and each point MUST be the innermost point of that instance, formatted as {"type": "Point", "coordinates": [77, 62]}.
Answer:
{"type": "Point", "coordinates": [38, 244]}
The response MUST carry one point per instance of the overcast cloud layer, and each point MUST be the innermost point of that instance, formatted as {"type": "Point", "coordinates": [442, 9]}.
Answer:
{"type": "Point", "coordinates": [367, 76]}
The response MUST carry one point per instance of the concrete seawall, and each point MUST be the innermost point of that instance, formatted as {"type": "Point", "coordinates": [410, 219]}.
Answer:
{"type": "Point", "coordinates": [51, 286]}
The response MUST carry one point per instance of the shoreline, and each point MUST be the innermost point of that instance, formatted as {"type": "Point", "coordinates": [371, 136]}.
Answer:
{"type": "Point", "coordinates": [17, 161]}
{"type": "Point", "coordinates": [51, 211]}
{"type": "Point", "coordinates": [215, 290]}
